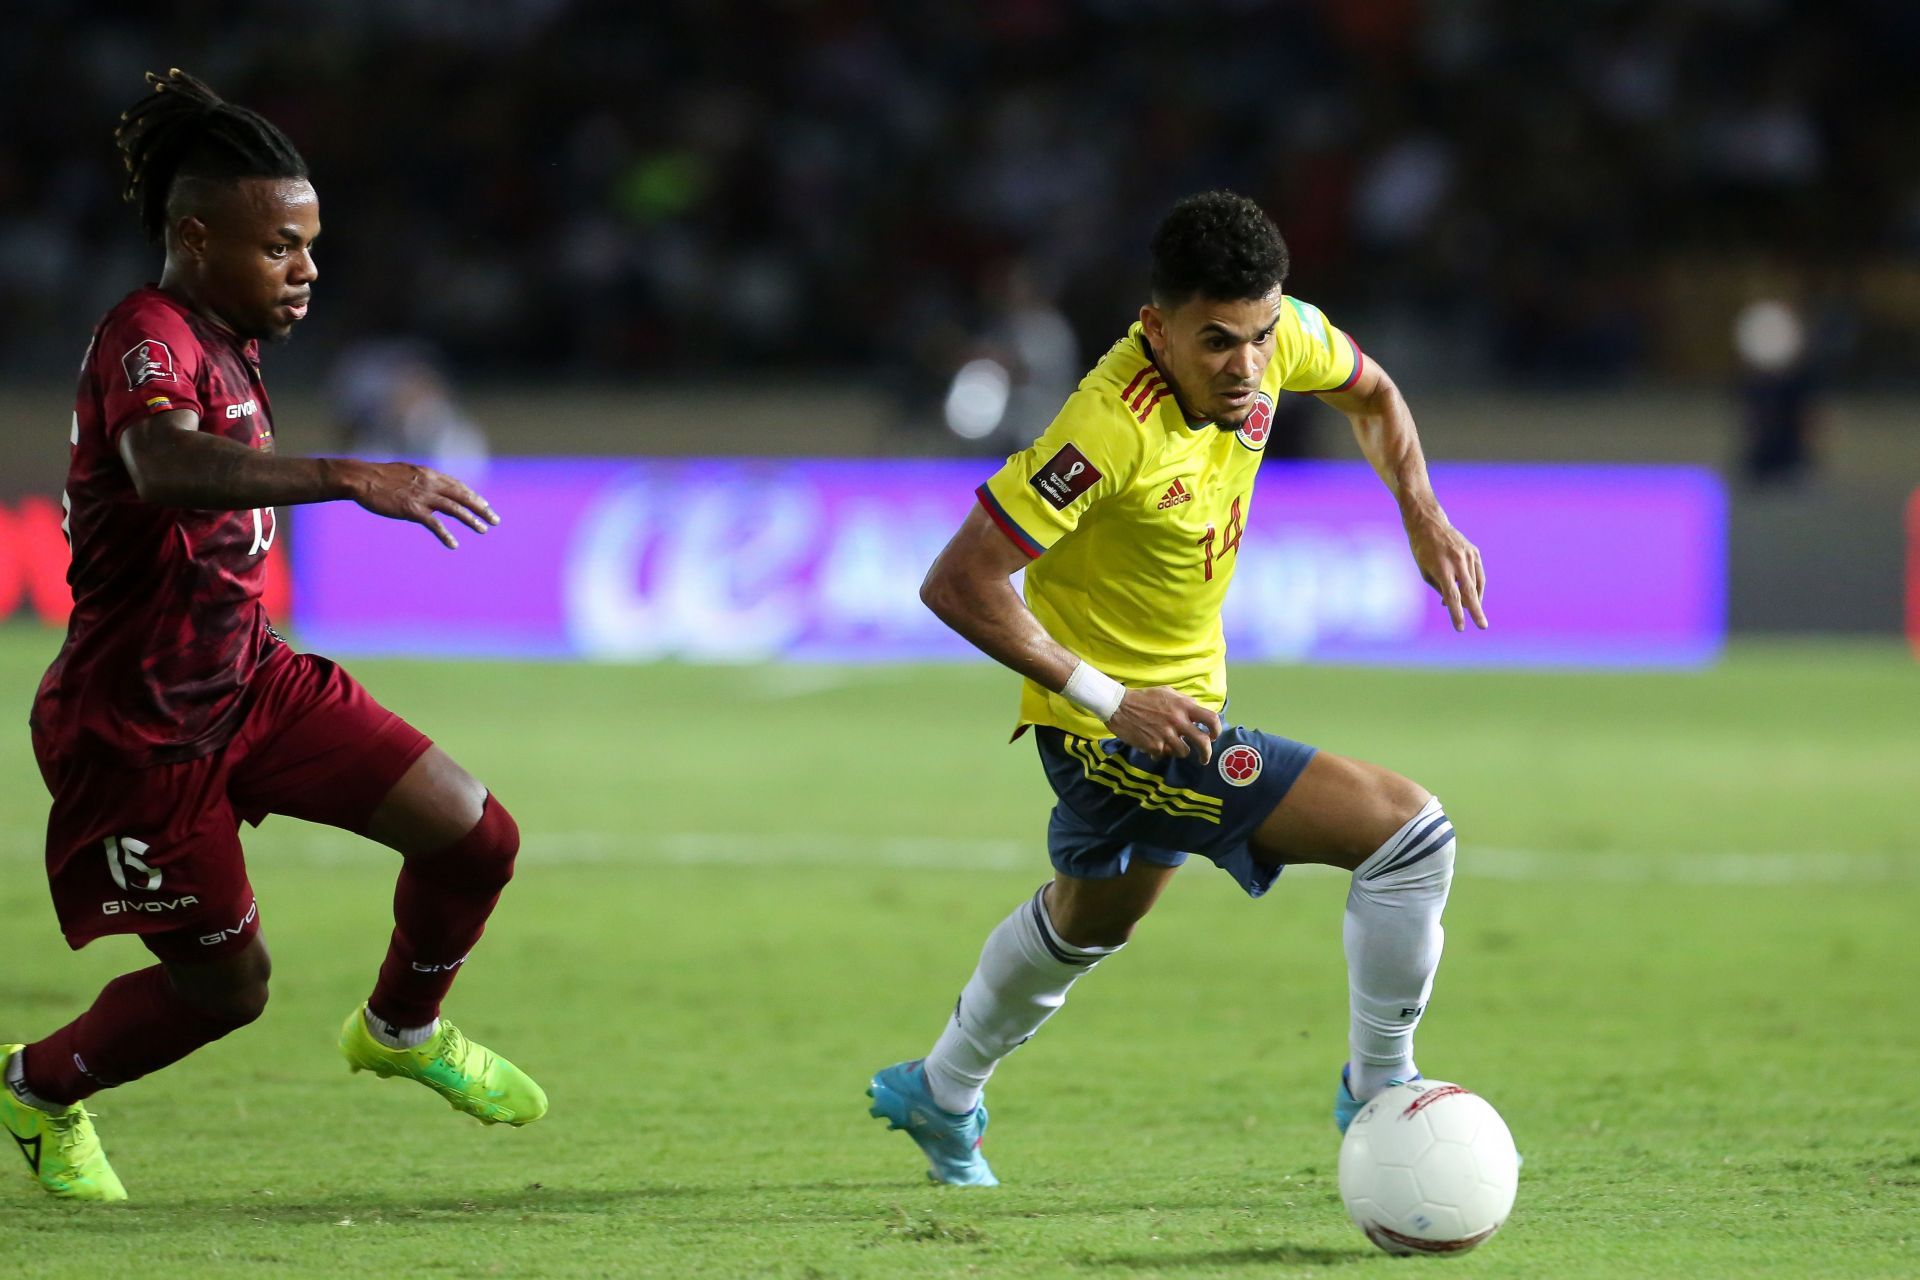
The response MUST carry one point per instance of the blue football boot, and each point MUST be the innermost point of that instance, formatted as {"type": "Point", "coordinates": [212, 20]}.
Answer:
{"type": "Point", "coordinates": [1346, 1106]}
{"type": "Point", "coordinates": [951, 1143]}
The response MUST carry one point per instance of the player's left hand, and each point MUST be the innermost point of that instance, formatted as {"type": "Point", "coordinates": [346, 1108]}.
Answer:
{"type": "Point", "coordinates": [1165, 722]}
{"type": "Point", "coordinates": [403, 491]}
{"type": "Point", "coordinates": [1450, 565]}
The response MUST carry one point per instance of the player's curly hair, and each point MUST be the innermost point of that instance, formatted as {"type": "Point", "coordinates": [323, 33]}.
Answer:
{"type": "Point", "coordinates": [183, 129]}
{"type": "Point", "coordinates": [1217, 244]}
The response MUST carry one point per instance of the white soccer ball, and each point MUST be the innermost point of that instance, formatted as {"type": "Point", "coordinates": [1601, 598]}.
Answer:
{"type": "Point", "coordinates": [1428, 1167]}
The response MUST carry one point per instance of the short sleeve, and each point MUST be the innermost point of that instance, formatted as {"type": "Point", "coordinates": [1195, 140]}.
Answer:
{"type": "Point", "coordinates": [1320, 358]}
{"type": "Point", "coordinates": [1089, 453]}
{"type": "Point", "coordinates": [147, 361]}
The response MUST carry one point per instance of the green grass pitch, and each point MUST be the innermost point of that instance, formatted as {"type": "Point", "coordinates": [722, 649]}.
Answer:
{"type": "Point", "coordinates": [1681, 960]}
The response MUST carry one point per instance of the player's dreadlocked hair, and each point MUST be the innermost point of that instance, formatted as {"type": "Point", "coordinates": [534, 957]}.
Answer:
{"type": "Point", "coordinates": [183, 129]}
{"type": "Point", "coordinates": [1216, 245]}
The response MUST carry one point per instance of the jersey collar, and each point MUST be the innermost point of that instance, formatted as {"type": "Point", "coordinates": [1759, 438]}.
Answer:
{"type": "Point", "coordinates": [249, 350]}
{"type": "Point", "coordinates": [1140, 336]}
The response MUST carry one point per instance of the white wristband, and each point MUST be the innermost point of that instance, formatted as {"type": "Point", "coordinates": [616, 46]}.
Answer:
{"type": "Point", "coordinates": [1094, 692]}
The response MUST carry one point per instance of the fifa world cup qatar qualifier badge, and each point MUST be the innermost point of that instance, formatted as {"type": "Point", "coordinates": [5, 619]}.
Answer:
{"type": "Point", "coordinates": [1066, 475]}
{"type": "Point", "coordinates": [149, 360]}
{"type": "Point", "coordinates": [1254, 431]}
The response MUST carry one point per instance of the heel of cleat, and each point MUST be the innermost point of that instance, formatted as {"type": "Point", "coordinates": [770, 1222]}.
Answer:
{"type": "Point", "coordinates": [951, 1143]}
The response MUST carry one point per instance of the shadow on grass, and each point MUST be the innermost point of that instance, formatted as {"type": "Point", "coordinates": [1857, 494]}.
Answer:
{"type": "Point", "coordinates": [1267, 1256]}
{"type": "Point", "coordinates": [555, 1206]}
{"type": "Point", "coordinates": [926, 1214]}
{"type": "Point", "coordinates": [532, 1200]}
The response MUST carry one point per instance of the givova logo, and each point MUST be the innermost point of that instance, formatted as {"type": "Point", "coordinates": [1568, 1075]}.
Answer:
{"type": "Point", "coordinates": [155, 907]}
{"type": "Point", "coordinates": [216, 938]}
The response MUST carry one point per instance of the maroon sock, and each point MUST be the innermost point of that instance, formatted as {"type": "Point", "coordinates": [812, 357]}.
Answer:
{"type": "Point", "coordinates": [137, 1025]}
{"type": "Point", "coordinates": [440, 907]}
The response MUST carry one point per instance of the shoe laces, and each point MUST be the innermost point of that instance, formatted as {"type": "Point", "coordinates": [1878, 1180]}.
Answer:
{"type": "Point", "coordinates": [453, 1049]}
{"type": "Point", "coordinates": [73, 1135]}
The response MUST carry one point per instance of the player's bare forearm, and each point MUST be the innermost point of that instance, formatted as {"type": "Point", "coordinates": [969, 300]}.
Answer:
{"type": "Point", "coordinates": [174, 464]}
{"type": "Point", "coordinates": [1383, 428]}
{"type": "Point", "coordinates": [969, 588]}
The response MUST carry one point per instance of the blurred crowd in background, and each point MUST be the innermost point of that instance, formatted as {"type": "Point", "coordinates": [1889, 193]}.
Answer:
{"type": "Point", "coordinates": [1498, 191]}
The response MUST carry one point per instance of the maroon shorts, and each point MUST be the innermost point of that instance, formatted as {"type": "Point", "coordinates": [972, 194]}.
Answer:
{"type": "Point", "coordinates": [156, 850]}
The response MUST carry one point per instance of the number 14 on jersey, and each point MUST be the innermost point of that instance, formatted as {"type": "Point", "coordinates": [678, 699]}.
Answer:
{"type": "Point", "coordinates": [1230, 542]}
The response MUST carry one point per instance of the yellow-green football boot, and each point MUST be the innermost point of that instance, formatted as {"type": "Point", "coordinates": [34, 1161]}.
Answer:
{"type": "Point", "coordinates": [60, 1146]}
{"type": "Point", "coordinates": [471, 1077]}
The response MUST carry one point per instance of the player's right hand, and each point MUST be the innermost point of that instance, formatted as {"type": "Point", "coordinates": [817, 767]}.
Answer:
{"type": "Point", "coordinates": [403, 491]}
{"type": "Point", "coordinates": [1165, 722]}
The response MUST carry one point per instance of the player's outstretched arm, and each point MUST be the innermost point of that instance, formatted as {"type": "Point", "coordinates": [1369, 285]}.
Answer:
{"type": "Point", "coordinates": [175, 464]}
{"type": "Point", "coordinates": [1383, 426]}
{"type": "Point", "coordinates": [969, 588]}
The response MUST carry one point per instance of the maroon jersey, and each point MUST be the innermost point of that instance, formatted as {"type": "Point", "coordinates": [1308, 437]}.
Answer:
{"type": "Point", "coordinates": [167, 626]}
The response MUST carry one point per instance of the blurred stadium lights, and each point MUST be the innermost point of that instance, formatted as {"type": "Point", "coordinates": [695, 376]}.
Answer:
{"type": "Point", "coordinates": [1769, 336]}
{"type": "Point", "coordinates": [641, 192]}
{"type": "Point", "coordinates": [977, 401]}
{"type": "Point", "coordinates": [907, 230]}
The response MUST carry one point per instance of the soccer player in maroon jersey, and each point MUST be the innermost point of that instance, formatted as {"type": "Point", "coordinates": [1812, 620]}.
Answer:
{"type": "Point", "coordinates": [174, 711]}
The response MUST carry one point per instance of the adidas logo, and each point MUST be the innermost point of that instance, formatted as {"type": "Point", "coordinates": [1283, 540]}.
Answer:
{"type": "Point", "coordinates": [1177, 493]}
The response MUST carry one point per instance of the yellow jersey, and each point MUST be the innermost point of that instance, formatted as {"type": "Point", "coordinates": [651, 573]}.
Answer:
{"type": "Point", "coordinates": [1133, 516]}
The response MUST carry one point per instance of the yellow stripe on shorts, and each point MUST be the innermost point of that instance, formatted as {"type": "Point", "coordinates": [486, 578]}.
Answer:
{"type": "Point", "coordinates": [1154, 779]}
{"type": "Point", "coordinates": [1116, 763]}
{"type": "Point", "coordinates": [1149, 791]}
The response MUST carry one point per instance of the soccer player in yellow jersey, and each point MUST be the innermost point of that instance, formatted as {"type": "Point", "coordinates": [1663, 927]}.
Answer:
{"type": "Point", "coordinates": [1127, 515]}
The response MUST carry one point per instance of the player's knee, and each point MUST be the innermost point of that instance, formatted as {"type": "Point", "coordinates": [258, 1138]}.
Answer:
{"type": "Point", "coordinates": [499, 843]}
{"type": "Point", "coordinates": [1403, 796]}
{"type": "Point", "coordinates": [1101, 933]}
{"type": "Point", "coordinates": [1417, 829]}
{"type": "Point", "coordinates": [235, 1002]}
{"type": "Point", "coordinates": [1377, 804]}
{"type": "Point", "coordinates": [1084, 924]}
{"type": "Point", "coordinates": [245, 1003]}
{"type": "Point", "coordinates": [482, 858]}
{"type": "Point", "coordinates": [232, 989]}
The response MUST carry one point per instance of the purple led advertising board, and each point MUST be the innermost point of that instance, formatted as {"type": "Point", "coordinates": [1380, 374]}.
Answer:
{"type": "Point", "coordinates": [734, 561]}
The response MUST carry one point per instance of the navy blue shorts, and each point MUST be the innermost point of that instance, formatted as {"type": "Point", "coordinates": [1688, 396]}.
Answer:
{"type": "Point", "coordinates": [1117, 803]}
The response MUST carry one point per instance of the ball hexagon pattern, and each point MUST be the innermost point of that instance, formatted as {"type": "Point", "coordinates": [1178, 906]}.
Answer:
{"type": "Point", "coordinates": [1428, 1167]}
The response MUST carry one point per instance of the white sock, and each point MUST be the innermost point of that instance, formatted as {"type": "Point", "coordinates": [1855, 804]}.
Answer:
{"type": "Point", "coordinates": [1024, 972]}
{"type": "Point", "coordinates": [16, 1082]}
{"type": "Point", "coordinates": [393, 1037]}
{"type": "Point", "coordinates": [1393, 939]}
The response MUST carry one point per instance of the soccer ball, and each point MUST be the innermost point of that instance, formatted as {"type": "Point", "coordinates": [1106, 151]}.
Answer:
{"type": "Point", "coordinates": [1428, 1167]}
